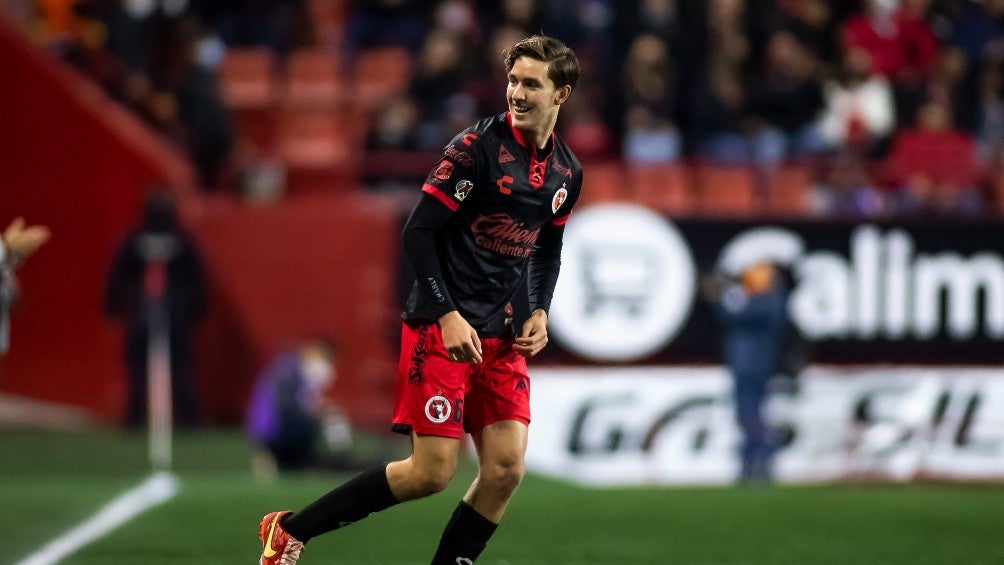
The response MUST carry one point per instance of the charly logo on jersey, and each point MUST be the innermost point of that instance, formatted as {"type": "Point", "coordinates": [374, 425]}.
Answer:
{"type": "Point", "coordinates": [559, 198]}
{"type": "Point", "coordinates": [463, 188]}
{"type": "Point", "coordinates": [504, 235]}
{"type": "Point", "coordinates": [626, 286]}
{"type": "Point", "coordinates": [438, 409]}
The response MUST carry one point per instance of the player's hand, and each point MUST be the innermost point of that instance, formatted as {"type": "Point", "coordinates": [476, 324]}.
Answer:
{"type": "Point", "coordinates": [460, 340]}
{"type": "Point", "coordinates": [22, 241]}
{"type": "Point", "coordinates": [534, 336]}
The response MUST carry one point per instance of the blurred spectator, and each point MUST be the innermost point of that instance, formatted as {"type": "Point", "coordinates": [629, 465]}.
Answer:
{"type": "Point", "coordinates": [787, 97]}
{"type": "Point", "coordinates": [814, 23]}
{"type": "Point", "coordinates": [379, 23]}
{"type": "Point", "coordinates": [208, 127]}
{"type": "Point", "coordinates": [157, 268]}
{"type": "Point", "coordinates": [753, 313]}
{"type": "Point", "coordinates": [723, 129]}
{"type": "Point", "coordinates": [288, 409]}
{"type": "Point", "coordinates": [281, 25]}
{"type": "Point", "coordinates": [488, 77]}
{"type": "Point", "coordinates": [437, 88]}
{"type": "Point", "coordinates": [650, 134]}
{"type": "Point", "coordinates": [859, 111]}
{"type": "Point", "coordinates": [460, 18]}
{"type": "Point", "coordinates": [525, 15]}
{"type": "Point", "coordinates": [990, 115]}
{"type": "Point", "coordinates": [902, 46]}
{"type": "Point", "coordinates": [845, 188]}
{"type": "Point", "coordinates": [858, 118]}
{"type": "Point", "coordinates": [395, 126]}
{"type": "Point", "coordinates": [17, 243]}
{"type": "Point", "coordinates": [977, 30]}
{"type": "Point", "coordinates": [933, 167]}
{"type": "Point", "coordinates": [951, 86]}
{"type": "Point", "coordinates": [583, 127]}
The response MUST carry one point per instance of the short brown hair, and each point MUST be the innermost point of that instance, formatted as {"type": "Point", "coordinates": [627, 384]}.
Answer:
{"type": "Point", "coordinates": [563, 65]}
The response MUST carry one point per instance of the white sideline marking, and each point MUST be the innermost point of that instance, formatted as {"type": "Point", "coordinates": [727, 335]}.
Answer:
{"type": "Point", "coordinates": [157, 489]}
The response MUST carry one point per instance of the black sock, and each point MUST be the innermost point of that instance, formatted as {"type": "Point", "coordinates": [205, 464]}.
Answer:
{"type": "Point", "coordinates": [356, 499]}
{"type": "Point", "coordinates": [465, 536]}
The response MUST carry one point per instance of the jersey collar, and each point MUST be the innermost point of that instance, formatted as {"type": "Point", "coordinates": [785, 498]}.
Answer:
{"type": "Point", "coordinates": [522, 140]}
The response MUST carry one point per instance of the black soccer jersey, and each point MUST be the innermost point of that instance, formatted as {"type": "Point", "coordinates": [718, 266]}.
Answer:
{"type": "Point", "coordinates": [506, 203]}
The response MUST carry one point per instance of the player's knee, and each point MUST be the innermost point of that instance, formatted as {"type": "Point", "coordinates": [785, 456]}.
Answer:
{"type": "Point", "coordinates": [433, 480]}
{"type": "Point", "coordinates": [433, 474]}
{"type": "Point", "coordinates": [503, 474]}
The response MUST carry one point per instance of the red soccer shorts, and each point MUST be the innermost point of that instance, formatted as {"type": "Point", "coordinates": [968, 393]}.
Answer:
{"type": "Point", "coordinates": [438, 397]}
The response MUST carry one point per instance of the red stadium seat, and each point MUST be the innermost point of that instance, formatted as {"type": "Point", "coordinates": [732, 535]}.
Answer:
{"type": "Point", "coordinates": [320, 150]}
{"type": "Point", "coordinates": [788, 191]}
{"type": "Point", "coordinates": [249, 88]}
{"type": "Point", "coordinates": [381, 72]}
{"type": "Point", "coordinates": [602, 182]}
{"type": "Point", "coordinates": [725, 191]}
{"type": "Point", "coordinates": [665, 188]}
{"type": "Point", "coordinates": [246, 77]}
{"type": "Point", "coordinates": [313, 79]}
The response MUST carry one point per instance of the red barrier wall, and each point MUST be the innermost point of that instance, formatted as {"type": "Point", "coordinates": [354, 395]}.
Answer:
{"type": "Point", "coordinates": [75, 161]}
{"type": "Point", "coordinates": [313, 264]}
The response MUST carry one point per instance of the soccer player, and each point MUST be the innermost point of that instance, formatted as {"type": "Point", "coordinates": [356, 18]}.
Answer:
{"type": "Point", "coordinates": [492, 214]}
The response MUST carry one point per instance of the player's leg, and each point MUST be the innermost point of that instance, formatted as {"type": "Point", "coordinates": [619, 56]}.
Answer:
{"type": "Point", "coordinates": [501, 451]}
{"type": "Point", "coordinates": [427, 471]}
{"type": "Point", "coordinates": [501, 448]}
{"type": "Point", "coordinates": [497, 412]}
{"type": "Point", "coordinates": [427, 381]}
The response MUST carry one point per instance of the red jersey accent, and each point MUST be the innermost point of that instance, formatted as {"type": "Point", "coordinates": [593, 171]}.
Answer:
{"type": "Point", "coordinates": [434, 191]}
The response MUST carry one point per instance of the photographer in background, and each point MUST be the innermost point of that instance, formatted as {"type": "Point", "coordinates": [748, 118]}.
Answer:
{"type": "Point", "coordinates": [17, 243]}
{"type": "Point", "coordinates": [756, 332]}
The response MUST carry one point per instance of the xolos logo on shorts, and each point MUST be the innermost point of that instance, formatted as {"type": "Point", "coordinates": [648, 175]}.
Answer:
{"type": "Point", "coordinates": [438, 409]}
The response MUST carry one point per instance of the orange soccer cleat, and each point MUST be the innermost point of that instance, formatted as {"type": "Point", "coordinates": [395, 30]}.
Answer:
{"type": "Point", "coordinates": [278, 547]}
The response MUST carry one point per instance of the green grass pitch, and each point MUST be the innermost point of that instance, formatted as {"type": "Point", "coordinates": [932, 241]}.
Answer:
{"type": "Point", "coordinates": [51, 481]}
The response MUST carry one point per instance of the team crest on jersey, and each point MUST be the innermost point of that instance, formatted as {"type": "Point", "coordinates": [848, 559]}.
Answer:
{"type": "Point", "coordinates": [463, 189]}
{"type": "Point", "coordinates": [559, 199]}
{"type": "Point", "coordinates": [438, 409]}
{"type": "Point", "coordinates": [504, 155]}
{"type": "Point", "coordinates": [444, 170]}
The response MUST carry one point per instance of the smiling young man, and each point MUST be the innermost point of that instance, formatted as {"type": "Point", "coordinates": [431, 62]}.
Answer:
{"type": "Point", "coordinates": [492, 214]}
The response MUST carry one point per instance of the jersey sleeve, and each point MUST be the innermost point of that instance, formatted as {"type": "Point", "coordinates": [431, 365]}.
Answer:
{"type": "Point", "coordinates": [419, 240]}
{"type": "Point", "coordinates": [452, 178]}
{"type": "Point", "coordinates": [564, 203]}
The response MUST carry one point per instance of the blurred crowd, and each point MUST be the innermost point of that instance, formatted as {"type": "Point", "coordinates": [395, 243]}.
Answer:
{"type": "Point", "coordinates": [896, 105]}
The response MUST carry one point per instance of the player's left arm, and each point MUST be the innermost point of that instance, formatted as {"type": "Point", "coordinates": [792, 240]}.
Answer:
{"type": "Point", "coordinates": [545, 263]}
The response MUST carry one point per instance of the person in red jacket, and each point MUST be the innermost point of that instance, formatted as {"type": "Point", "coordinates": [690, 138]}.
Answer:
{"type": "Point", "coordinates": [902, 46]}
{"type": "Point", "coordinates": [932, 166]}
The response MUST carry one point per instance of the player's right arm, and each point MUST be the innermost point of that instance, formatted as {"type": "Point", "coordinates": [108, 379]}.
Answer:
{"type": "Point", "coordinates": [418, 238]}
{"type": "Point", "coordinates": [445, 189]}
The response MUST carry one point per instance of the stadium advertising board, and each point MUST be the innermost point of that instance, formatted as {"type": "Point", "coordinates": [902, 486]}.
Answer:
{"type": "Point", "coordinates": [667, 425]}
{"type": "Point", "coordinates": [862, 292]}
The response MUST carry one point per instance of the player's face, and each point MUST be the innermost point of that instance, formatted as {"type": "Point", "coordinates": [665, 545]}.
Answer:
{"type": "Point", "coordinates": [533, 99]}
